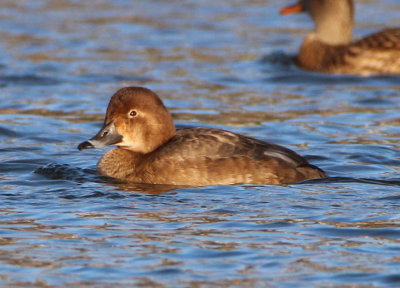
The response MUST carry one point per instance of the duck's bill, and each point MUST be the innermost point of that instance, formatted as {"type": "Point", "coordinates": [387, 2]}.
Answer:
{"type": "Point", "coordinates": [292, 9]}
{"type": "Point", "coordinates": [108, 135]}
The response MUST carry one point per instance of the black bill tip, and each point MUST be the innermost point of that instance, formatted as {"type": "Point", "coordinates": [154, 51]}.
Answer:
{"type": "Point", "coordinates": [85, 145]}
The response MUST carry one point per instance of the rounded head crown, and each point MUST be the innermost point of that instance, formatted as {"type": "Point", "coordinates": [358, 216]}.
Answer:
{"type": "Point", "coordinates": [128, 98]}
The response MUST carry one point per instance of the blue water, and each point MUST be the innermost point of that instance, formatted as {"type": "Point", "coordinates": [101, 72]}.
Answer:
{"type": "Point", "coordinates": [224, 64]}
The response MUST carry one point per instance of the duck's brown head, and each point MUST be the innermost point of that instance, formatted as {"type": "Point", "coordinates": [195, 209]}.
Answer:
{"type": "Point", "coordinates": [136, 119]}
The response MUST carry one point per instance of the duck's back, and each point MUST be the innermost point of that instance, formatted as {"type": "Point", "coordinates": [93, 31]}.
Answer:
{"type": "Point", "coordinates": [377, 53]}
{"type": "Point", "coordinates": [202, 156]}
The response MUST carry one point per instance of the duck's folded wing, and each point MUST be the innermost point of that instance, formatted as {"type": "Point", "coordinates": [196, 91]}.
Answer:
{"type": "Point", "coordinates": [376, 53]}
{"type": "Point", "coordinates": [202, 156]}
{"type": "Point", "coordinates": [216, 144]}
{"type": "Point", "coordinates": [388, 39]}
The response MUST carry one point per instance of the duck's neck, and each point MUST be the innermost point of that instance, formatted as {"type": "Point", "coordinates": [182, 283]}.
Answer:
{"type": "Point", "coordinates": [159, 136]}
{"type": "Point", "coordinates": [118, 163]}
{"type": "Point", "coordinates": [333, 20]}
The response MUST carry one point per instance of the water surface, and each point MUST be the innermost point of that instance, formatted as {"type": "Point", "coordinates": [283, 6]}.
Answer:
{"type": "Point", "coordinates": [224, 64]}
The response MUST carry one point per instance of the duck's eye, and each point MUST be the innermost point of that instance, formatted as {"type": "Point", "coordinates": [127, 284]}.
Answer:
{"type": "Point", "coordinates": [132, 113]}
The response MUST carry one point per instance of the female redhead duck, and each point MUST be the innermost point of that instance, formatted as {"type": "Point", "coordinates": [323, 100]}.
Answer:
{"type": "Point", "coordinates": [150, 150]}
{"type": "Point", "coordinates": [330, 49]}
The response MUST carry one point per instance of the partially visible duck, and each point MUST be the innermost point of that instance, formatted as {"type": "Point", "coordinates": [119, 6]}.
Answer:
{"type": "Point", "coordinates": [151, 150]}
{"type": "Point", "coordinates": [330, 49]}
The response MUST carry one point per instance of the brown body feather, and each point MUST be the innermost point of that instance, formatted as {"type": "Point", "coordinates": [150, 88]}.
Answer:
{"type": "Point", "coordinates": [378, 53]}
{"type": "Point", "coordinates": [202, 156]}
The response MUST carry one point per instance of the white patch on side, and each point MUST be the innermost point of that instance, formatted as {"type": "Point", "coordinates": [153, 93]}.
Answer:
{"type": "Point", "coordinates": [281, 156]}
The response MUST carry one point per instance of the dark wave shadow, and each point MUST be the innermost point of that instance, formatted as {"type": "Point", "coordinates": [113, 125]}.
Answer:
{"type": "Point", "coordinates": [27, 80]}
{"type": "Point", "coordinates": [278, 59]}
{"type": "Point", "coordinates": [5, 132]}
{"type": "Point", "coordinates": [106, 78]}
{"type": "Point", "coordinates": [38, 80]}
{"type": "Point", "coordinates": [338, 180]}
{"type": "Point", "coordinates": [66, 172]}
